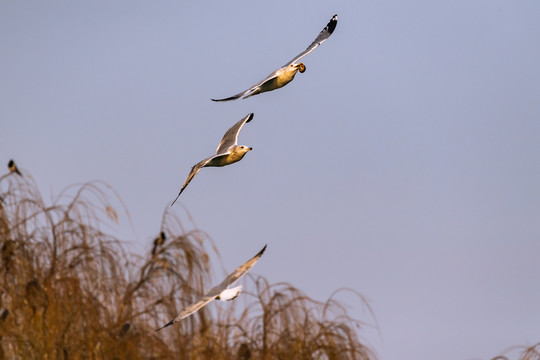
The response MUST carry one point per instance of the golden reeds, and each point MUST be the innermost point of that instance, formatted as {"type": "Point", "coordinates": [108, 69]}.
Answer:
{"type": "Point", "coordinates": [68, 290]}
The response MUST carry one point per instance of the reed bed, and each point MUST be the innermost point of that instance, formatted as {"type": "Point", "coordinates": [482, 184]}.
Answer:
{"type": "Point", "coordinates": [70, 290]}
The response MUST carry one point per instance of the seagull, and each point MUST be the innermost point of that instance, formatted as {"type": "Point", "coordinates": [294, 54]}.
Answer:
{"type": "Point", "coordinates": [285, 74]}
{"type": "Point", "coordinates": [228, 152]}
{"type": "Point", "coordinates": [220, 292]}
{"type": "Point", "coordinates": [13, 168]}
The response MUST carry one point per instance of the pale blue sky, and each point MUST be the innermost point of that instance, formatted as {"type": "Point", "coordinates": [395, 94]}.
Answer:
{"type": "Point", "coordinates": [404, 163]}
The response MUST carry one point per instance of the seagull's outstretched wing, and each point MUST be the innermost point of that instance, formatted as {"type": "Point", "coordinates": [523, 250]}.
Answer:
{"type": "Point", "coordinates": [191, 309]}
{"type": "Point", "coordinates": [241, 270]}
{"type": "Point", "coordinates": [194, 170]}
{"type": "Point", "coordinates": [254, 90]}
{"type": "Point", "coordinates": [231, 136]}
{"type": "Point", "coordinates": [323, 35]}
{"type": "Point", "coordinates": [217, 290]}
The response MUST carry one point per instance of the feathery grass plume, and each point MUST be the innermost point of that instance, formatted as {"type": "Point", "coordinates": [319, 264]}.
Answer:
{"type": "Point", "coordinates": [525, 353]}
{"type": "Point", "coordinates": [281, 322]}
{"type": "Point", "coordinates": [73, 291]}
{"type": "Point", "coordinates": [69, 290]}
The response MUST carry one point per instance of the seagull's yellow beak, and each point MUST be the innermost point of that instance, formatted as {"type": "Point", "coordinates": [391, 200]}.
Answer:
{"type": "Point", "coordinates": [301, 67]}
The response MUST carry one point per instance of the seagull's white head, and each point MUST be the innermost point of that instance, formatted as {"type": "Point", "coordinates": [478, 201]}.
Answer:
{"type": "Point", "coordinates": [237, 152]}
{"type": "Point", "coordinates": [244, 148]}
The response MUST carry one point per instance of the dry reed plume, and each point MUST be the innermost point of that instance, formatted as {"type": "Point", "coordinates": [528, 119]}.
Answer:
{"type": "Point", "coordinates": [523, 353]}
{"type": "Point", "coordinates": [68, 290]}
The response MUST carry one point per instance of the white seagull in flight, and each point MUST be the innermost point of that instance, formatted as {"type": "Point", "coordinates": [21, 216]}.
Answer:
{"type": "Point", "coordinates": [285, 74]}
{"type": "Point", "coordinates": [228, 152]}
{"type": "Point", "coordinates": [220, 292]}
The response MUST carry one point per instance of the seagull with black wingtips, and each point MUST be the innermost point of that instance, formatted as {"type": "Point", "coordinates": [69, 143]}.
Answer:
{"type": "Point", "coordinates": [228, 152]}
{"type": "Point", "coordinates": [220, 292]}
{"type": "Point", "coordinates": [285, 74]}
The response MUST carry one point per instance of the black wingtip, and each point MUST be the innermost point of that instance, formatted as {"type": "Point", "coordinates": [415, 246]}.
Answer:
{"type": "Point", "coordinates": [332, 24]}
{"type": "Point", "coordinates": [226, 99]}
{"type": "Point", "coordinates": [10, 163]}
{"type": "Point", "coordinates": [250, 117]}
{"type": "Point", "coordinates": [164, 326]}
{"type": "Point", "coordinates": [177, 197]}
{"type": "Point", "coordinates": [262, 251]}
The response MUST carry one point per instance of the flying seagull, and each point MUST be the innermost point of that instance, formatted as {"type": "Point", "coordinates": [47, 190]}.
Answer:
{"type": "Point", "coordinates": [228, 152]}
{"type": "Point", "coordinates": [285, 74]}
{"type": "Point", "coordinates": [220, 292]}
{"type": "Point", "coordinates": [13, 168]}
